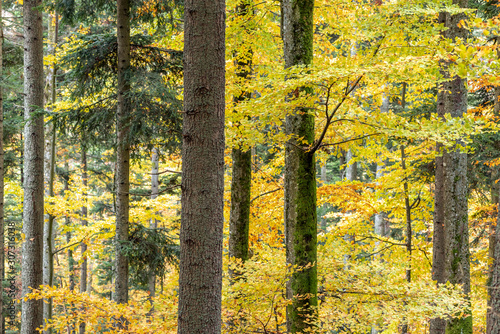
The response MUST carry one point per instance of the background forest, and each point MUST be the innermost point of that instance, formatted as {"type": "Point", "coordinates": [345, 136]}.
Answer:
{"type": "Point", "coordinates": [351, 187]}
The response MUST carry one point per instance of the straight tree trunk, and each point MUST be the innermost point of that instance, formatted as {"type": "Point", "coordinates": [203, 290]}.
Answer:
{"type": "Point", "coordinates": [300, 175]}
{"type": "Point", "coordinates": [71, 260]}
{"type": "Point", "coordinates": [48, 233]}
{"type": "Point", "coordinates": [32, 316]}
{"type": "Point", "coordinates": [381, 220]}
{"type": "Point", "coordinates": [2, 237]}
{"type": "Point", "coordinates": [454, 184]}
{"type": "Point", "coordinates": [202, 220]}
{"type": "Point", "coordinates": [438, 325]}
{"type": "Point", "coordinates": [493, 312]}
{"type": "Point", "coordinates": [239, 218]}
{"type": "Point", "coordinates": [122, 152]}
{"type": "Point", "coordinates": [83, 266]}
{"type": "Point", "coordinates": [153, 223]}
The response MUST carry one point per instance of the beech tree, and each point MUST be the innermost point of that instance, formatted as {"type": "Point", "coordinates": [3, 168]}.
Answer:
{"type": "Point", "coordinates": [239, 221]}
{"type": "Point", "coordinates": [200, 268]}
{"type": "Point", "coordinates": [300, 174]}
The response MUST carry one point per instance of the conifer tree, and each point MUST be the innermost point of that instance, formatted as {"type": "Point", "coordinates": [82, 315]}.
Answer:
{"type": "Point", "coordinates": [451, 233]}
{"type": "Point", "coordinates": [200, 268]}
{"type": "Point", "coordinates": [122, 152]}
{"type": "Point", "coordinates": [33, 165]}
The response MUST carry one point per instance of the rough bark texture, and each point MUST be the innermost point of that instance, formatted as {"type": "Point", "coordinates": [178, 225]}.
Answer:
{"type": "Point", "coordinates": [83, 266]}
{"type": "Point", "coordinates": [200, 276]}
{"type": "Point", "coordinates": [2, 242]}
{"type": "Point", "coordinates": [31, 318]}
{"type": "Point", "coordinates": [239, 218]}
{"type": "Point", "coordinates": [49, 227]}
{"type": "Point", "coordinates": [451, 233]}
{"type": "Point", "coordinates": [455, 189]}
{"type": "Point", "coordinates": [452, 200]}
{"type": "Point", "coordinates": [493, 313]}
{"type": "Point", "coordinates": [300, 175]}
{"type": "Point", "coordinates": [438, 325]}
{"type": "Point", "coordinates": [122, 152]}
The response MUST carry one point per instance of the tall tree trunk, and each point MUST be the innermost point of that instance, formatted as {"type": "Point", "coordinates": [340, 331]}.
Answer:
{"type": "Point", "coordinates": [451, 233]}
{"type": "Point", "coordinates": [2, 237]}
{"type": "Point", "coordinates": [202, 221]}
{"type": "Point", "coordinates": [153, 223]}
{"type": "Point", "coordinates": [300, 175]}
{"type": "Point", "coordinates": [407, 211]}
{"type": "Point", "coordinates": [438, 325]}
{"type": "Point", "coordinates": [48, 232]}
{"type": "Point", "coordinates": [493, 313]}
{"type": "Point", "coordinates": [71, 260]}
{"type": "Point", "coordinates": [454, 189]}
{"type": "Point", "coordinates": [381, 219]}
{"type": "Point", "coordinates": [83, 266]}
{"type": "Point", "coordinates": [239, 218]}
{"type": "Point", "coordinates": [32, 316]}
{"type": "Point", "coordinates": [122, 152]}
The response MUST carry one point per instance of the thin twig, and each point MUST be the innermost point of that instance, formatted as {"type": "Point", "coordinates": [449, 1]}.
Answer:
{"type": "Point", "coordinates": [351, 139]}
{"type": "Point", "coordinates": [263, 194]}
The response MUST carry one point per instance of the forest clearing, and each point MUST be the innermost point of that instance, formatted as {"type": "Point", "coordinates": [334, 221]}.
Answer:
{"type": "Point", "coordinates": [250, 166]}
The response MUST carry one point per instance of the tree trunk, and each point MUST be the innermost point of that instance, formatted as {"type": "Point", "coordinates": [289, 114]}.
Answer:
{"type": "Point", "coordinates": [239, 220]}
{"type": "Point", "coordinates": [493, 312]}
{"type": "Point", "coordinates": [2, 236]}
{"type": "Point", "coordinates": [153, 223]}
{"type": "Point", "coordinates": [454, 184]}
{"type": "Point", "coordinates": [381, 219]}
{"type": "Point", "coordinates": [48, 232]}
{"type": "Point", "coordinates": [122, 152]}
{"type": "Point", "coordinates": [202, 220]}
{"type": "Point", "coordinates": [351, 169]}
{"type": "Point", "coordinates": [31, 318]}
{"type": "Point", "coordinates": [438, 325]}
{"type": "Point", "coordinates": [300, 175]}
{"type": "Point", "coordinates": [83, 266]}
{"type": "Point", "coordinates": [382, 227]}
{"type": "Point", "coordinates": [71, 260]}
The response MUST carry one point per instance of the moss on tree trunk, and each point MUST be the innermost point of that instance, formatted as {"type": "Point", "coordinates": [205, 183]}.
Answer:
{"type": "Point", "coordinates": [300, 175]}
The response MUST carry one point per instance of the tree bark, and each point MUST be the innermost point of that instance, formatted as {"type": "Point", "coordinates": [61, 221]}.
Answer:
{"type": "Point", "coordinates": [454, 183]}
{"type": "Point", "coordinates": [122, 152]}
{"type": "Point", "coordinates": [300, 175]}
{"type": "Point", "coordinates": [48, 232]}
{"type": "Point", "coordinates": [438, 325]}
{"type": "Point", "coordinates": [382, 227]}
{"type": "Point", "coordinates": [2, 237]}
{"type": "Point", "coordinates": [493, 312]}
{"type": "Point", "coordinates": [33, 184]}
{"type": "Point", "coordinates": [202, 221]}
{"type": "Point", "coordinates": [153, 223]}
{"type": "Point", "coordinates": [381, 221]}
{"type": "Point", "coordinates": [83, 266]}
{"type": "Point", "coordinates": [239, 220]}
